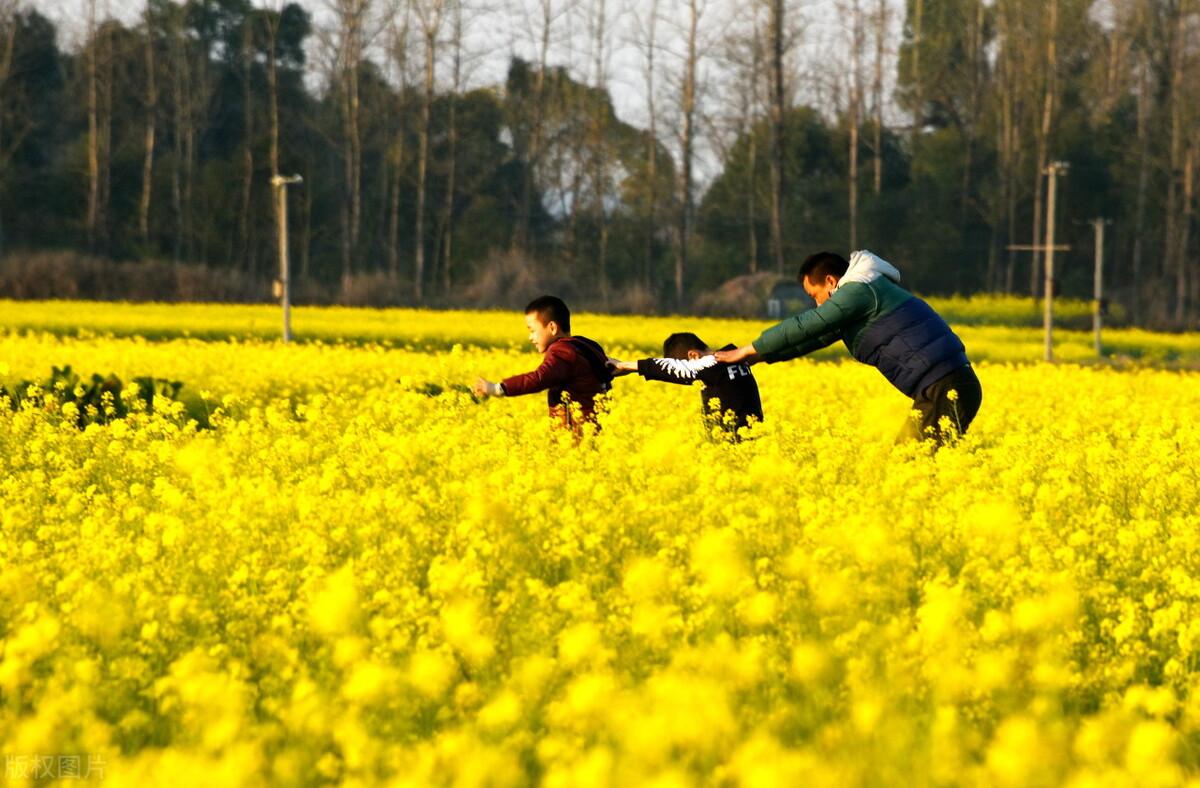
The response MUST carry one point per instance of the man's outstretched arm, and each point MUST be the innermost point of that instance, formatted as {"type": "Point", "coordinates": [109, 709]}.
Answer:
{"type": "Point", "coordinates": [744, 354]}
{"type": "Point", "coordinates": [802, 349]}
{"type": "Point", "coordinates": [808, 331]}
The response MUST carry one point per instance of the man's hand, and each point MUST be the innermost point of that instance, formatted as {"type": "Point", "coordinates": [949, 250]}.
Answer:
{"type": "Point", "coordinates": [619, 368]}
{"type": "Point", "coordinates": [745, 353]}
{"type": "Point", "coordinates": [485, 388]}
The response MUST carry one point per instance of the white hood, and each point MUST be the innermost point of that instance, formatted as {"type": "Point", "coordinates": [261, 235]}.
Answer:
{"type": "Point", "coordinates": [866, 267]}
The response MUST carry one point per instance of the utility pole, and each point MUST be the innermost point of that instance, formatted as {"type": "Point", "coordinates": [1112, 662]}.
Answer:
{"type": "Point", "coordinates": [1098, 283]}
{"type": "Point", "coordinates": [1052, 172]}
{"type": "Point", "coordinates": [283, 284]}
{"type": "Point", "coordinates": [1049, 248]}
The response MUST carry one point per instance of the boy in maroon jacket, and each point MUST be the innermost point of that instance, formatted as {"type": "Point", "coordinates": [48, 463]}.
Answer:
{"type": "Point", "coordinates": [572, 365]}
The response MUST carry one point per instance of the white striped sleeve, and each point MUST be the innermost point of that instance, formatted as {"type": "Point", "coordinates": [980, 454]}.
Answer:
{"type": "Point", "coordinates": [682, 369]}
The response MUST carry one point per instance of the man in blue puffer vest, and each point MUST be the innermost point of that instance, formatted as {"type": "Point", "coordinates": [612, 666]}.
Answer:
{"type": "Point", "coordinates": [861, 303]}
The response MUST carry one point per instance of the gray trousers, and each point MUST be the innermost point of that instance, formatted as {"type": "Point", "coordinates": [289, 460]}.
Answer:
{"type": "Point", "coordinates": [934, 402]}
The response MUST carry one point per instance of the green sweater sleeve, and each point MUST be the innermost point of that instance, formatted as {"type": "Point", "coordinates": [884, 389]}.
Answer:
{"type": "Point", "coordinates": [817, 328]}
{"type": "Point", "coordinates": [803, 349]}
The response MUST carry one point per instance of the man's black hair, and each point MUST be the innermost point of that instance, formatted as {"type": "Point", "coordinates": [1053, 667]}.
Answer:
{"type": "Point", "coordinates": [549, 308]}
{"type": "Point", "coordinates": [678, 345]}
{"type": "Point", "coordinates": [822, 264]}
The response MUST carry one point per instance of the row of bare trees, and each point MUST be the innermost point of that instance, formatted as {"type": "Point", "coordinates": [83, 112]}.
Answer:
{"type": "Point", "coordinates": [661, 146]}
{"type": "Point", "coordinates": [1108, 87]}
{"type": "Point", "coordinates": [198, 77]}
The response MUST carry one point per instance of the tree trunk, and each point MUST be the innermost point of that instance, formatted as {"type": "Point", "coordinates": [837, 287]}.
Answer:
{"type": "Point", "coordinates": [1035, 266]}
{"type": "Point", "coordinates": [246, 216]}
{"type": "Point", "coordinates": [356, 149]}
{"type": "Point", "coordinates": [856, 39]}
{"type": "Point", "coordinates": [151, 119]}
{"type": "Point", "coordinates": [777, 132]}
{"type": "Point", "coordinates": [1043, 140]}
{"type": "Point", "coordinates": [1139, 218]}
{"type": "Point", "coordinates": [975, 43]}
{"type": "Point", "coordinates": [272, 30]}
{"type": "Point", "coordinates": [396, 146]}
{"type": "Point", "coordinates": [351, 155]}
{"type": "Point", "coordinates": [688, 106]}
{"type": "Point", "coordinates": [1192, 201]}
{"type": "Point", "coordinates": [93, 115]}
{"type": "Point", "coordinates": [918, 120]}
{"type": "Point", "coordinates": [396, 154]}
{"type": "Point", "coordinates": [521, 241]}
{"type": "Point", "coordinates": [877, 90]}
{"type": "Point", "coordinates": [749, 111]}
{"type": "Point", "coordinates": [569, 195]}
{"type": "Point", "coordinates": [423, 160]}
{"type": "Point", "coordinates": [751, 216]}
{"type": "Point", "coordinates": [350, 42]}
{"type": "Point", "coordinates": [852, 175]}
{"type": "Point", "coordinates": [601, 158]}
{"type": "Point", "coordinates": [1174, 254]}
{"type": "Point", "coordinates": [1181, 271]}
{"type": "Point", "coordinates": [273, 96]}
{"type": "Point", "coordinates": [447, 229]}
{"type": "Point", "coordinates": [105, 147]}
{"type": "Point", "coordinates": [396, 157]}
{"type": "Point", "coordinates": [651, 151]}
{"type": "Point", "coordinates": [1007, 148]}
{"type": "Point", "coordinates": [177, 67]}
{"type": "Point", "coordinates": [189, 174]}
{"type": "Point", "coordinates": [447, 233]}
{"type": "Point", "coordinates": [9, 22]}
{"type": "Point", "coordinates": [306, 244]}
{"type": "Point", "coordinates": [651, 211]}
{"type": "Point", "coordinates": [200, 92]}
{"type": "Point", "coordinates": [379, 237]}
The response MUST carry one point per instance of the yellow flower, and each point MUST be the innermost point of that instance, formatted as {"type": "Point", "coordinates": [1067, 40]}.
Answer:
{"type": "Point", "coordinates": [465, 630]}
{"type": "Point", "coordinates": [430, 673]}
{"type": "Point", "coordinates": [334, 608]}
{"type": "Point", "coordinates": [502, 712]}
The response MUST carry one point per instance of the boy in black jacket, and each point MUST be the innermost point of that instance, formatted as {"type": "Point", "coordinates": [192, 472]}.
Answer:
{"type": "Point", "coordinates": [686, 359]}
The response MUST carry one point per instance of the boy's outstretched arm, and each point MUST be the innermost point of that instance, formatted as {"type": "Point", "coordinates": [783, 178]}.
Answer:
{"type": "Point", "coordinates": [554, 370]}
{"type": "Point", "coordinates": [619, 368]}
{"type": "Point", "coordinates": [486, 388]}
{"type": "Point", "coordinates": [674, 370]}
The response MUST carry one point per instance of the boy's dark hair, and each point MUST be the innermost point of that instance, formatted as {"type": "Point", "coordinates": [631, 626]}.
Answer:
{"type": "Point", "coordinates": [549, 308]}
{"type": "Point", "coordinates": [822, 264]}
{"type": "Point", "coordinates": [678, 345]}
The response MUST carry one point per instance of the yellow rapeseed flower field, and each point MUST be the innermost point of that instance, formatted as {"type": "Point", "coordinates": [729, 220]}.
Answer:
{"type": "Point", "coordinates": [362, 576]}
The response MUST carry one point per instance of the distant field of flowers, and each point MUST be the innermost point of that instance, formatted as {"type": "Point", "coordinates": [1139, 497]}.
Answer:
{"type": "Point", "coordinates": [994, 327]}
{"type": "Point", "coordinates": [328, 563]}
